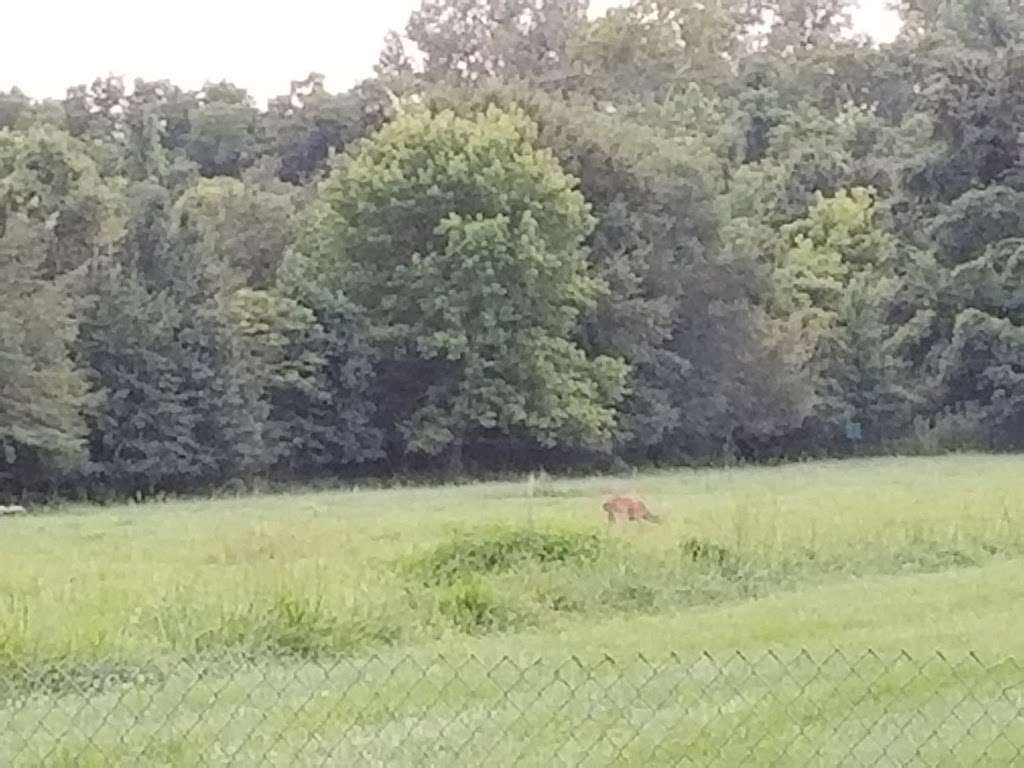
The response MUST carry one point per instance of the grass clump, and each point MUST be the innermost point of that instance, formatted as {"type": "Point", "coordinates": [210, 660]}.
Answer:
{"type": "Point", "coordinates": [473, 579]}
{"type": "Point", "coordinates": [298, 627]}
{"type": "Point", "coordinates": [292, 626]}
{"type": "Point", "coordinates": [505, 550]}
{"type": "Point", "coordinates": [474, 607]}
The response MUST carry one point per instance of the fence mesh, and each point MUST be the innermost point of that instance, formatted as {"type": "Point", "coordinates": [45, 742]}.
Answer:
{"type": "Point", "coordinates": [804, 709]}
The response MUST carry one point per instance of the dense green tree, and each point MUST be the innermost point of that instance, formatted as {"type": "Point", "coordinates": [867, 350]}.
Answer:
{"type": "Point", "coordinates": [649, 49]}
{"type": "Point", "coordinates": [142, 427]}
{"type": "Point", "coordinates": [240, 225]}
{"type": "Point", "coordinates": [94, 115]}
{"type": "Point", "coordinates": [304, 128]}
{"type": "Point", "coordinates": [977, 219]}
{"type": "Point", "coordinates": [845, 279]}
{"type": "Point", "coordinates": [994, 282]}
{"type": "Point", "coordinates": [974, 24]}
{"type": "Point", "coordinates": [222, 138]}
{"type": "Point", "coordinates": [175, 407]}
{"type": "Point", "coordinates": [795, 26]}
{"type": "Point", "coordinates": [175, 403]}
{"type": "Point", "coordinates": [982, 374]}
{"type": "Point", "coordinates": [49, 178]}
{"type": "Point", "coordinates": [975, 101]}
{"type": "Point", "coordinates": [679, 308]}
{"type": "Point", "coordinates": [463, 244]}
{"type": "Point", "coordinates": [314, 367]}
{"type": "Point", "coordinates": [14, 106]}
{"type": "Point", "coordinates": [41, 391]}
{"type": "Point", "coordinates": [474, 39]}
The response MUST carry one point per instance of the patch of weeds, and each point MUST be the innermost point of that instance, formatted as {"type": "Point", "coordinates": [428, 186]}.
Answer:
{"type": "Point", "coordinates": [475, 608]}
{"type": "Point", "coordinates": [296, 627]}
{"type": "Point", "coordinates": [502, 551]}
{"type": "Point", "coordinates": [697, 572]}
{"type": "Point", "coordinates": [919, 555]}
{"type": "Point", "coordinates": [299, 627]}
{"type": "Point", "coordinates": [925, 558]}
{"type": "Point", "coordinates": [707, 553]}
{"type": "Point", "coordinates": [632, 595]}
{"type": "Point", "coordinates": [915, 556]}
{"type": "Point", "coordinates": [559, 600]}
{"type": "Point", "coordinates": [712, 558]}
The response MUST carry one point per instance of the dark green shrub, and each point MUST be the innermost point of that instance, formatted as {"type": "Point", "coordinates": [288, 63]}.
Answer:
{"type": "Point", "coordinates": [475, 608]}
{"type": "Point", "coordinates": [501, 551]}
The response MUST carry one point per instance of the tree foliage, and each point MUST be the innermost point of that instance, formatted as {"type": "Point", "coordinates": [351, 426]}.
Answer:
{"type": "Point", "coordinates": [674, 232]}
{"type": "Point", "coordinates": [41, 391]}
{"type": "Point", "coordinates": [474, 300]}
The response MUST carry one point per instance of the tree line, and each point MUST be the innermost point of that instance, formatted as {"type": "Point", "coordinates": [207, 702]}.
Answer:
{"type": "Point", "coordinates": [681, 232]}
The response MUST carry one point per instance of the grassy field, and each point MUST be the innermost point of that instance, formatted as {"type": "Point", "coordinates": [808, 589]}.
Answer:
{"type": "Point", "coordinates": [506, 623]}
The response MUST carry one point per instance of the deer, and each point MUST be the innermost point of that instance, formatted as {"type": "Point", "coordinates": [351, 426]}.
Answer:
{"type": "Point", "coordinates": [632, 508]}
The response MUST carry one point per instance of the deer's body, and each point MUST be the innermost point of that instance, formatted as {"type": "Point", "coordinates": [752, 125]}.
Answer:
{"type": "Point", "coordinates": [629, 508]}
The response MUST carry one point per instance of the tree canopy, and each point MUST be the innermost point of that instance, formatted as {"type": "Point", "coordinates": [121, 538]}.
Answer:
{"type": "Point", "coordinates": [677, 232]}
{"type": "Point", "coordinates": [475, 299]}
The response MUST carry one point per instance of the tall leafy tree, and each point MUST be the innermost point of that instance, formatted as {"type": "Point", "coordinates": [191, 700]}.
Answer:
{"type": "Point", "coordinates": [847, 280]}
{"type": "Point", "coordinates": [222, 138]}
{"type": "Point", "coordinates": [679, 307]}
{"type": "Point", "coordinates": [650, 49]}
{"type": "Point", "coordinates": [176, 406]}
{"type": "Point", "coordinates": [305, 127]}
{"type": "Point", "coordinates": [15, 106]}
{"type": "Point", "coordinates": [973, 24]}
{"type": "Point", "coordinates": [463, 243]}
{"type": "Point", "coordinates": [42, 393]}
{"type": "Point", "coordinates": [245, 226]}
{"type": "Point", "coordinates": [474, 39]}
{"type": "Point", "coordinates": [314, 369]}
{"type": "Point", "coordinates": [49, 178]}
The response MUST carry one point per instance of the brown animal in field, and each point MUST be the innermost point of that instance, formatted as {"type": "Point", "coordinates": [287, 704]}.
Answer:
{"type": "Point", "coordinates": [631, 508]}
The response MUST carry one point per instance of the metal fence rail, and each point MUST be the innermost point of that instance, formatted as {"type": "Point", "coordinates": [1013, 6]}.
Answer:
{"type": "Point", "coordinates": [835, 708]}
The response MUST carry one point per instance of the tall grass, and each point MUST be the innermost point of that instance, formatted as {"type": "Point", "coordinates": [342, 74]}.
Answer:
{"type": "Point", "coordinates": [338, 573]}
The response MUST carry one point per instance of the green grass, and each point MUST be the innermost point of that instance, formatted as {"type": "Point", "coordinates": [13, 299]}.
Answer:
{"type": "Point", "coordinates": [385, 620]}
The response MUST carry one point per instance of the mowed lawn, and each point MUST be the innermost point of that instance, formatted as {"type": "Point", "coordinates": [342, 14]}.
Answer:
{"type": "Point", "coordinates": [860, 613]}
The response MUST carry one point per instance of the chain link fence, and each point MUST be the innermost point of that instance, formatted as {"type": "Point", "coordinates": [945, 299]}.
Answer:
{"type": "Point", "coordinates": [802, 709]}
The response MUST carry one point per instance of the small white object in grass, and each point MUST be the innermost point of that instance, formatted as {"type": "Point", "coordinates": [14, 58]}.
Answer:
{"type": "Point", "coordinates": [14, 510]}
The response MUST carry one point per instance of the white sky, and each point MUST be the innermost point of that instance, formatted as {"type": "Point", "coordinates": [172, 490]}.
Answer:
{"type": "Point", "coordinates": [49, 45]}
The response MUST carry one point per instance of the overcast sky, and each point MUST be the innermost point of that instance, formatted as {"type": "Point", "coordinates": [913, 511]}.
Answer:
{"type": "Point", "coordinates": [51, 44]}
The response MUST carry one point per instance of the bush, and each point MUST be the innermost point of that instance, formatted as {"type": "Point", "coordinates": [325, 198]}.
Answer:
{"type": "Point", "coordinates": [290, 625]}
{"type": "Point", "coordinates": [475, 608]}
{"type": "Point", "coordinates": [708, 555]}
{"type": "Point", "coordinates": [502, 551]}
